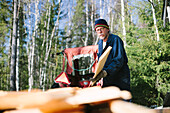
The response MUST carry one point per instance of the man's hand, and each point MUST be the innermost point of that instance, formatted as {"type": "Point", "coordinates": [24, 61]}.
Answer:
{"type": "Point", "coordinates": [102, 74]}
{"type": "Point", "coordinates": [100, 82]}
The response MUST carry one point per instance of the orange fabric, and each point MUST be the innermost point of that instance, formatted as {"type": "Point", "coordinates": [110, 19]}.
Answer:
{"type": "Point", "coordinates": [71, 52]}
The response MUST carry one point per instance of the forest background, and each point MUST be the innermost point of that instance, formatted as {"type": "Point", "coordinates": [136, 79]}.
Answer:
{"type": "Point", "coordinates": [33, 31]}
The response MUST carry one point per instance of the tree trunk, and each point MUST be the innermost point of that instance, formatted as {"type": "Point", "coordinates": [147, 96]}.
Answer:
{"type": "Point", "coordinates": [92, 22]}
{"type": "Point", "coordinates": [168, 11]}
{"type": "Point", "coordinates": [43, 44]}
{"type": "Point", "coordinates": [56, 26]}
{"type": "Point", "coordinates": [164, 15]}
{"type": "Point", "coordinates": [17, 58]}
{"type": "Point", "coordinates": [33, 46]}
{"type": "Point", "coordinates": [101, 16]}
{"type": "Point", "coordinates": [17, 66]}
{"type": "Point", "coordinates": [14, 46]}
{"type": "Point", "coordinates": [109, 11]}
{"type": "Point", "coordinates": [87, 24]}
{"type": "Point", "coordinates": [69, 25]}
{"type": "Point", "coordinates": [154, 19]}
{"type": "Point", "coordinates": [29, 47]}
{"type": "Point", "coordinates": [123, 21]}
{"type": "Point", "coordinates": [9, 57]}
{"type": "Point", "coordinates": [104, 5]}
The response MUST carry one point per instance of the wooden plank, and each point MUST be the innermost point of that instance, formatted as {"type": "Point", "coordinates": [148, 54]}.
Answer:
{"type": "Point", "coordinates": [97, 95]}
{"type": "Point", "coordinates": [119, 106]}
{"type": "Point", "coordinates": [102, 61]}
{"type": "Point", "coordinates": [73, 100]}
{"type": "Point", "coordinates": [35, 110]}
{"type": "Point", "coordinates": [19, 100]}
{"type": "Point", "coordinates": [100, 64]}
{"type": "Point", "coordinates": [59, 100]}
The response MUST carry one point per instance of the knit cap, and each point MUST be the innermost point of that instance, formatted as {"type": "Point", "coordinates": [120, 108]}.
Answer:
{"type": "Point", "coordinates": [101, 23]}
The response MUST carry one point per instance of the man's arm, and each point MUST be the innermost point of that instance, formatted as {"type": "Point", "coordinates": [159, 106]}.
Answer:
{"type": "Point", "coordinates": [118, 58]}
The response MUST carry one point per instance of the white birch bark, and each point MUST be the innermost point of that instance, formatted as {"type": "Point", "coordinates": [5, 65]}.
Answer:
{"type": "Point", "coordinates": [92, 22]}
{"type": "Point", "coordinates": [111, 16]}
{"type": "Point", "coordinates": [29, 47]}
{"type": "Point", "coordinates": [154, 19]}
{"type": "Point", "coordinates": [95, 16]}
{"type": "Point", "coordinates": [87, 24]}
{"type": "Point", "coordinates": [164, 15]}
{"type": "Point", "coordinates": [52, 35]}
{"type": "Point", "coordinates": [103, 12]}
{"type": "Point", "coordinates": [17, 66]}
{"type": "Point", "coordinates": [17, 57]}
{"type": "Point", "coordinates": [168, 11]}
{"type": "Point", "coordinates": [111, 25]}
{"type": "Point", "coordinates": [101, 16]}
{"type": "Point", "coordinates": [109, 11]}
{"type": "Point", "coordinates": [47, 47]}
{"type": "Point", "coordinates": [45, 25]}
{"type": "Point", "coordinates": [14, 46]}
{"type": "Point", "coordinates": [123, 21]}
{"type": "Point", "coordinates": [56, 26]}
{"type": "Point", "coordinates": [32, 44]}
{"type": "Point", "coordinates": [41, 77]}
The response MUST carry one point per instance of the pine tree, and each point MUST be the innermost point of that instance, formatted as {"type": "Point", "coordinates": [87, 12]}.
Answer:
{"type": "Point", "coordinates": [79, 24]}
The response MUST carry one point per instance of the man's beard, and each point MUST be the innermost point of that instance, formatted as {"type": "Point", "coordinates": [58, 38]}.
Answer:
{"type": "Point", "coordinates": [102, 36]}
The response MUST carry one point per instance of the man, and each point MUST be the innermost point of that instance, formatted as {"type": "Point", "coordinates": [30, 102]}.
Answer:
{"type": "Point", "coordinates": [116, 67]}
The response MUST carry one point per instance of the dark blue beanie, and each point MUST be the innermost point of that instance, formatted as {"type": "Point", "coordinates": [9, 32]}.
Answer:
{"type": "Point", "coordinates": [101, 23]}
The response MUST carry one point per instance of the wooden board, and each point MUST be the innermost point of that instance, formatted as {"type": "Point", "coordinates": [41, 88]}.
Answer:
{"type": "Point", "coordinates": [59, 100]}
{"type": "Point", "coordinates": [102, 61]}
{"type": "Point", "coordinates": [72, 100]}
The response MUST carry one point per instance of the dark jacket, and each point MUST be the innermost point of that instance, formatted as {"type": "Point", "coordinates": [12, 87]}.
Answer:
{"type": "Point", "coordinates": [116, 64]}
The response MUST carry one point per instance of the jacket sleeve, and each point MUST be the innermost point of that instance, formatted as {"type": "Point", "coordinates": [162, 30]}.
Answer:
{"type": "Point", "coordinates": [116, 58]}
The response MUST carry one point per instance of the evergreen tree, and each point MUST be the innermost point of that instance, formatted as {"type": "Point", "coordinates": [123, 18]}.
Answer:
{"type": "Point", "coordinates": [148, 58]}
{"type": "Point", "coordinates": [79, 24]}
{"type": "Point", "coordinates": [5, 34]}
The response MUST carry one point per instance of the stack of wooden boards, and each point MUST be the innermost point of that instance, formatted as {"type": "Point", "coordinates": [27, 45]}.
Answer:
{"type": "Point", "coordinates": [71, 100]}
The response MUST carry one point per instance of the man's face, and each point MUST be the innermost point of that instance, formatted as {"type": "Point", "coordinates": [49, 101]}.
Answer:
{"type": "Point", "coordinates": [102, 32]}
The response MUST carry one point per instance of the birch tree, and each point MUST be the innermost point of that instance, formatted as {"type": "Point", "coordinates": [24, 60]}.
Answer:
{"type": "Point", "coordinates": [164, 10]}
{"type": "Point", "coordinates": [101, 16]}
{"type": "Point", "coordinates": [14, 48]}
{"type": "Point", "coordinates": [110, 13]}
{"type": "Point", "coordinates": [154, 19]}
{"type": "Point", "coordinates": [31, 52]}
{"type": "Point", "coordinates": [87, 23]}
{"type": "Point", "coordinates": [92, 22]}
{"type": "Point", "coordinates": [17, 65]}
{"type": "Point", "coordinates": [69, 23]}
{"type": "Point", "coordinates": [49, 44]}
{"type": "Point", "coordinates": [18, 49]}
{"type": "Point", "coordinates": [123, 21]}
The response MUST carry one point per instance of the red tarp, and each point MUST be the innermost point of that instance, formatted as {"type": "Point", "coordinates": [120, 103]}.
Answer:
{"type": "Point", "coordinates": [71, 52]}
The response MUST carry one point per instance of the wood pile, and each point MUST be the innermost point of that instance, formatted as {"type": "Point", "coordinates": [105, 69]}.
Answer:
{"type": "Point", "coordinates": [71, 100]}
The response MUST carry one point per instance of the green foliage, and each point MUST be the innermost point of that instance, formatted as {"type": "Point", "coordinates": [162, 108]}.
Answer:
{"type": "Point", "coordinates": [79, 25]}
{"type": "Point", "coordinates": [149, 71]}
{"type": "Point", "coordinates": [148, 58]}
{"type": "Point", "coordinates": [5, 28]}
